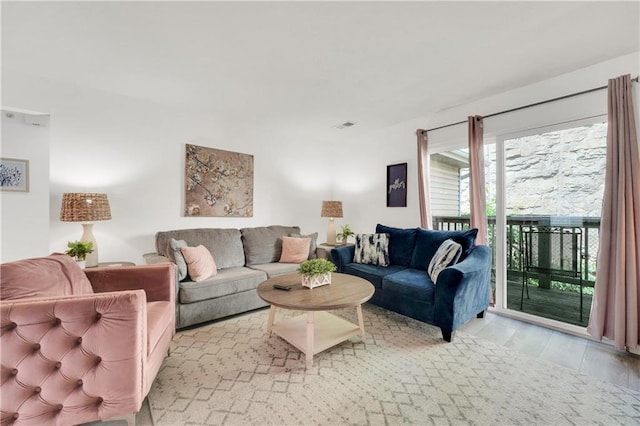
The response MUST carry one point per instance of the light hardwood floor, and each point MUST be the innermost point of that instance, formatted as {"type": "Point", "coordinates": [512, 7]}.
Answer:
{"type": "Point", "coordinates": [588, 357]}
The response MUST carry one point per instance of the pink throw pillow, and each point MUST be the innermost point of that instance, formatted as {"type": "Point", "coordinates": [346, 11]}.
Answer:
{"type": "Point", "coordinates": [295, 250]}
{"type": "Point", "coordinates": [200, 263]}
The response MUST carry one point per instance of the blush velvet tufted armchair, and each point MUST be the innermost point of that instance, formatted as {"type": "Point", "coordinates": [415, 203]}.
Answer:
{"type": "Point", "coordinates": [81, 345]}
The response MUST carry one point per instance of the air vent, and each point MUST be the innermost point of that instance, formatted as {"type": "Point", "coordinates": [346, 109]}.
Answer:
{"type": "Point", "coordinates": [345, 125]}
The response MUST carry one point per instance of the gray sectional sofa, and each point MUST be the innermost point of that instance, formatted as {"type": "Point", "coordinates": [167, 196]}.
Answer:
{"type": "Point", "coordinates": [244, 258]}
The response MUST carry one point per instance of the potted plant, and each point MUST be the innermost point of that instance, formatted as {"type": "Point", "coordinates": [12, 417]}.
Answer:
{"type": "Point", "coordinates": [345, 234]}
{"type": "Point", "coordinates": [316, 272]}
{"type": "Point", "coordinates": [79, 250]}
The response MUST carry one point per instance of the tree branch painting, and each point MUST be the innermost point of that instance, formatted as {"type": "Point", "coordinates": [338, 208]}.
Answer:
{"type": "Point", "coordinates": [218, 183]}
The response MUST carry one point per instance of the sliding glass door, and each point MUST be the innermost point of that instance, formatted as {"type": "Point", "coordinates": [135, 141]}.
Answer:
{"type": "Point", "coordinates": [553, 180]}
{"type": "Point", "coordinates": [544, 194]}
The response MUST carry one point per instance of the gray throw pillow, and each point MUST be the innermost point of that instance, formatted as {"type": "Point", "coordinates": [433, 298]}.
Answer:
{"type": "Point", "coordinates": [372, 249]}
{"type": "Point", "coordinates": [448, 254]}
{"type": "Point", "coordinates": [314, 243]}
{"type": "Point", "coordinates": [181, 264]}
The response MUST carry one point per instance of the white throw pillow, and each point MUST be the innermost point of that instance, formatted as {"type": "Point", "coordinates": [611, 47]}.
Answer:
{"type": "Point", "coordinates": [448, 254]}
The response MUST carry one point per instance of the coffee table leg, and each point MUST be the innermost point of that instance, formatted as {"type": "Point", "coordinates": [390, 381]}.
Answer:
{"type": "Point", "coordinates": [360, 321]}
{"type": "Point", "coordinates": [272, 315]}
{"type": "Point", "coordinates": [309, 349]}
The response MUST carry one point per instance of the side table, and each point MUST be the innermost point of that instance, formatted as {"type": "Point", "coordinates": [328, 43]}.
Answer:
{"type": "Point", "coordinates": [114, 264]}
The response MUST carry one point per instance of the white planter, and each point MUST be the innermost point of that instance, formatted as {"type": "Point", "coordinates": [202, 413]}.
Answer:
{"type": "Point", "coordinates": [81, 263]}
{"type": "Point", "coordinates": [313, 281]}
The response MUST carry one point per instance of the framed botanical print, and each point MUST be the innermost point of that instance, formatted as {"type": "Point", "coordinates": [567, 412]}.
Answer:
{"type": "Point", "coordinates": [14, 175]}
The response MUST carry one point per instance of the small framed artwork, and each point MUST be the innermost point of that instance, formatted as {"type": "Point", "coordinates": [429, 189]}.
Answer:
{"type": "Point", "coordinates": [14, 175]}
{"type": "Point", "coordinates": [397, 185]}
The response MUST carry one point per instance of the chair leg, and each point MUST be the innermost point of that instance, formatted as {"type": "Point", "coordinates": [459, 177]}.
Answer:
{"type": "Point", "coordinates": [480, 314]}
{"type": "Point", "coordinates": [447, 335]}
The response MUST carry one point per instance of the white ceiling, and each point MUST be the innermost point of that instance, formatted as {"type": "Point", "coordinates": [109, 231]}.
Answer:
{"type": "Point", "coordinates": [373, 63]}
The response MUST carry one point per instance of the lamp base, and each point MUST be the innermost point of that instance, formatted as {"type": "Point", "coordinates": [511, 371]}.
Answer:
{"type": "Point", "coordinates": [331, 233]}
{"type": "Point", "coordinates": [87, 236]}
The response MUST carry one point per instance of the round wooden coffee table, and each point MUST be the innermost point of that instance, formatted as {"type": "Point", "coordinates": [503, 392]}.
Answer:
{"type": "Point", "coordinates": [317, 330]}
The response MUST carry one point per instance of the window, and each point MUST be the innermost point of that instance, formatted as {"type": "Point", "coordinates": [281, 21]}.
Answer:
{"type": "Point", "coordinates": [551, 177]}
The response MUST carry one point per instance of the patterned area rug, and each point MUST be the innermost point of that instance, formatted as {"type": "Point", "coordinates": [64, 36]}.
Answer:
{"type": "Point", "coordinates": [230, 372]}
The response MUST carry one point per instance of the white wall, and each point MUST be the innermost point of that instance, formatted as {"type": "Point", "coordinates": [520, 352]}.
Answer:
{"type": "Point", "coordinates": [362, 179]}
{"type": "Point", "coordinates": [134, 151]}
{"type": "Point", "coordinates": [24, 216]}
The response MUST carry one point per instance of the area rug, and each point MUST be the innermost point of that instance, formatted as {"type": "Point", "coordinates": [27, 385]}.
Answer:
{"type": "Point", "coordinates": [230, 372]}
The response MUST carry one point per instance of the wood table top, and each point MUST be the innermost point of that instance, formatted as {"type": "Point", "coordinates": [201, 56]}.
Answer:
{"type": "Point", "coordinates": [343, 292]}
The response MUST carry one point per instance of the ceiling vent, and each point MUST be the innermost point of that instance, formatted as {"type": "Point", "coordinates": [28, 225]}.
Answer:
{"type": "Point", "coordinates": [345, 125]}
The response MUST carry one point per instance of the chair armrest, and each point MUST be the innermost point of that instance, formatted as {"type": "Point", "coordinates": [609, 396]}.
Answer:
{"type": "Point", "coordinates": [342, 256]}
{"type": "Point", "coordinates": [95, 341]}
{"type": "Point", "coordinates": [158, 281]}
{"type": "Point", "coordinates": [154, 258]}
{"type": "Point", "coordinates": [463, 290]}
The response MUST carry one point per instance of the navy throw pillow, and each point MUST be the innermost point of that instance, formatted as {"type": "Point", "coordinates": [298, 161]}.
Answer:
{"type": "Point", "coordinates": [428, 241]}
{"type": "Point", "coordinates": [401, 243]}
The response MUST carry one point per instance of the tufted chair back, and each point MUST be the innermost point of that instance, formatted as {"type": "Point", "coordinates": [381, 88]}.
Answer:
{"type": "Point", "coordinates": [79, 346]}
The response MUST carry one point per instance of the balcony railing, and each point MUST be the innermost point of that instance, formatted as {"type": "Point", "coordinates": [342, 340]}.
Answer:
{"type": "Point", "coordinates": [554, 253]}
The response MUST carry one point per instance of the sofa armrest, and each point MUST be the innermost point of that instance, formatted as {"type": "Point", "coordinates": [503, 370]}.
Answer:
{"type": "Point", "coordinates": [158, 281]}
{"type": "Point", "coordinates": [463, 290]}
{"type": "Point", "coordinates": [155, 258]}
{"type": "Point", "coordinates": [342, 256]}
{"type": "Point", "coordinates": [55, 345]}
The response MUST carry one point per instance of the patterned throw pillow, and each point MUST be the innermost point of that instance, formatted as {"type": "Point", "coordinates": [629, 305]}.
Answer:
{"type": "Point", "coordinates": [372, 249]}
{"type": "Point", "coordinates": [448, 254]}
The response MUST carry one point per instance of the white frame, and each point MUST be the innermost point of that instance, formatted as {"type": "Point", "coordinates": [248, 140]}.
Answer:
{"type": "Point", "coordinates": [501, 224]}
{"type": "Point", "coordinates": [23, 166]}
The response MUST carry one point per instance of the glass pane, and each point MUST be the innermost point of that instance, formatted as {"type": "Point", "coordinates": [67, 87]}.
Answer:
{"type": "Point", "coordinates": [450, 203]}
{"type": "Point", "coordinates": [554, 184]}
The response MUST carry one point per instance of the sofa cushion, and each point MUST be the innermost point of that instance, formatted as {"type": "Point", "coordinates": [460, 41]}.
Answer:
{"type": "Point", "coordinates": [372, 273]}
{"type": "Point", "coordinates": [294, 250]}
{"type": "Point", "coordinates": [276, 268]}
{"type": "Point", "coordinates": [410, 283]}
{"type": "Point", "coordinates": [200, 263]}
{"type": "Point", "coordinates": [53, 275]}
{"type": "Point", "coordinates": [314, 243]}
{"type": "Point", "coordinates": [372, 249]}
{"type": "Point", "coordinates": [264, 244]}
{"type": "Point", "coordinates": [225, 245]}
{"type": "Point", "coordinates": [158, 317]}
{"type": "Point", "coordinates": [401, 243]}
{"type": "Point", "coordinates": [178, 258]}
{"type": "Point", "coordinates": [227, 281]}
{"type": "Point", "coordinates": [428, 241]}
{"type": "Point", "coordinates": [448, 254]}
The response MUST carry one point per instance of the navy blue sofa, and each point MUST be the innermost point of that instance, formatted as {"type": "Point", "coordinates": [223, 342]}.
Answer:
{"type": "Point", "coordinates": [461, 292]}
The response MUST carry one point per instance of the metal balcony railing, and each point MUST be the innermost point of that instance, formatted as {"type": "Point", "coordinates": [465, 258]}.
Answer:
{"type": "Point", "coordinates": [555, 252]}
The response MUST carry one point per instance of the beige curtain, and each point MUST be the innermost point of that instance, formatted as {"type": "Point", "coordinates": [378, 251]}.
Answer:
{"type": "Point", "coordinates": [614, 311]}
{"type": "Point", "coordinates": [477, 186]}
{"type": "Point", "coordinates": [423, 180]}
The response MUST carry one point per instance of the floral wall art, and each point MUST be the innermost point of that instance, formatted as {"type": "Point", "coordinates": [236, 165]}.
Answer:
{"type": "Point", "coordinates": [14, 175]}
{"type": "Point", "coordinates": [218, 183]}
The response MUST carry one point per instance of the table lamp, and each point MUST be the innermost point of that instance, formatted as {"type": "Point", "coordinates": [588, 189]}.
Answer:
{"type": "Point", "coordinates": [331, 209]}
{"type": "Point", "coordinates": [86, 208]}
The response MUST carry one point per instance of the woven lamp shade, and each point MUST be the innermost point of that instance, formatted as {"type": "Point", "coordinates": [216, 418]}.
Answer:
{"type": "Point", "coordinates": [84, 207]}
{"type": "Point", "coordinates": [331, 209]}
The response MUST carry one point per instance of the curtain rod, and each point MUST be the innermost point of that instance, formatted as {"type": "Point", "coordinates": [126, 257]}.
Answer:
{"type": "Point", "coordinates": [584, 92]}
